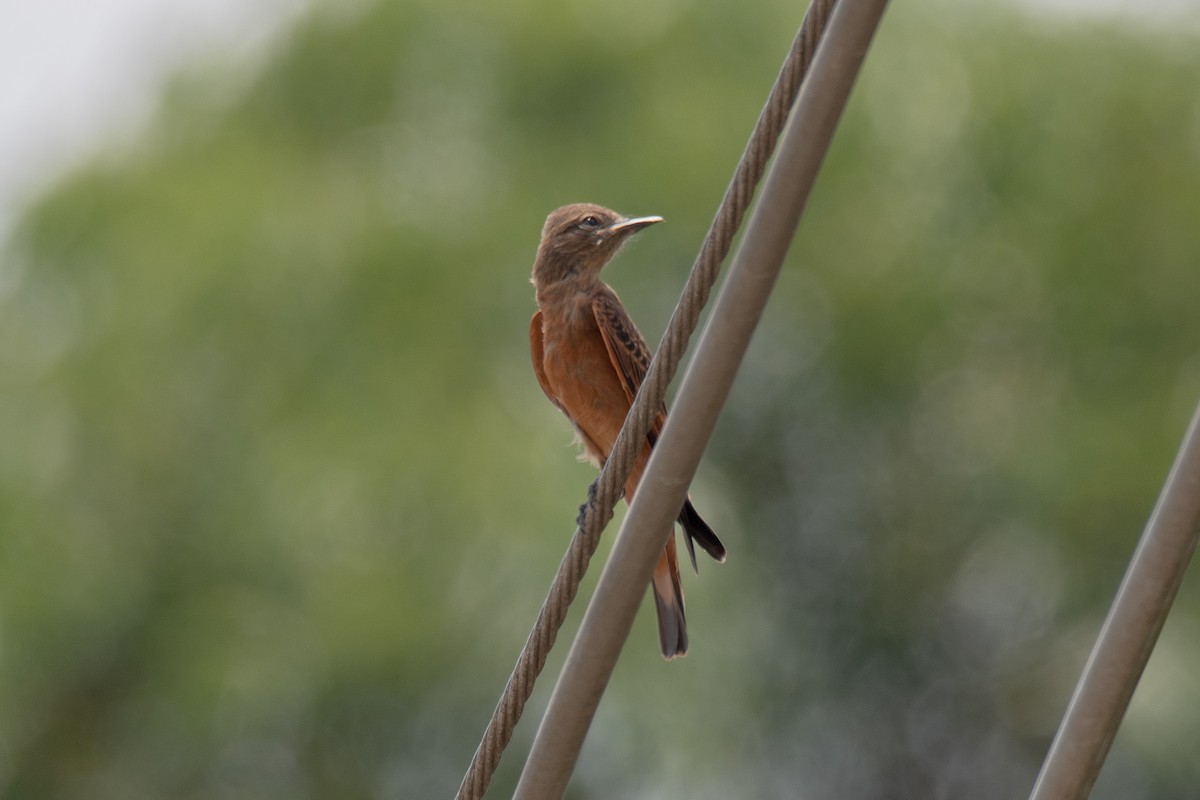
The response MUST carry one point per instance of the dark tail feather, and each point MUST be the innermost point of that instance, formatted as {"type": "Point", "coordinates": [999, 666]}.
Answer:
{"type": "Point", "coordinates": [696, 529]}
{"type": "Point", "coordinates": [668, 602]}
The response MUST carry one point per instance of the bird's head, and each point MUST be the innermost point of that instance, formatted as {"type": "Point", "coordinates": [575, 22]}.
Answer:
{"type": "Point", "coordinates": [578, 240]}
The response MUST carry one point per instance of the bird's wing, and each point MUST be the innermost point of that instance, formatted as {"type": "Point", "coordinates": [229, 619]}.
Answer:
{"type": "Point", "coordinates": [631, 359]}
{"type": "Point", "coordinates": [626, 350]}
{"type": "Point", "coordinates": [535, 350]}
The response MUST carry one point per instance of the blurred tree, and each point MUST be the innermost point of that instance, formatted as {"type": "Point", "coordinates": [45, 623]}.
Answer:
{"type": "Point", "coordinates": [279, 495]}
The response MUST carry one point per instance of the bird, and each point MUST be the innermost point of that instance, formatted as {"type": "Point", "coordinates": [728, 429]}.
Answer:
{"type": "Point", "coordinates": [590, 359]}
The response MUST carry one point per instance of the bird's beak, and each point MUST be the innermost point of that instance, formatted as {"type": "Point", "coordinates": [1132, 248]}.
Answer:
{"type": "Point", "coordinates": [627, 226]}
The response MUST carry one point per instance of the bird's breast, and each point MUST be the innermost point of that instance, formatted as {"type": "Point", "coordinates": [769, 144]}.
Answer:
{"type": "Point", "coordinates": [583, 378]}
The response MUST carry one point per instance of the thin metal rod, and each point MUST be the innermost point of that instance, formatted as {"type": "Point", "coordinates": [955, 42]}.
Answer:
{"type": "Point", "coordinates": [1129, 634]}
{"type": "Point", "coordinates": [622, 584]}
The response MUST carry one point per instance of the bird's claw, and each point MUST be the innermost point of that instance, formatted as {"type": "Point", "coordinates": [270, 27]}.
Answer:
{"type": "Point", "coordinates": [591, 501]}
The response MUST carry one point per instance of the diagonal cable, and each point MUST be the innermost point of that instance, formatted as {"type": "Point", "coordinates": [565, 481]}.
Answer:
{"type": "Point", "coordinates": [702, 394]}
{"type": "Point", "coordinates": [1130, 632]}
{"type": "Point", "coordinates": [606, 491]}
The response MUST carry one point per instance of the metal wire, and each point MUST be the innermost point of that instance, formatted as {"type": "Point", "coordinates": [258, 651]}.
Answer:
{"type": "Point", "coordinates": [1129, 633]}
{"type": "Point", "coordinates": [701, 396]}
{"type": "Point", "coordinates": [604, 493]}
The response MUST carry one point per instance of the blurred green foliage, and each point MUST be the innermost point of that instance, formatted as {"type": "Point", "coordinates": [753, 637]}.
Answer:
{"type": "Point", "coordinates": [279, 495]}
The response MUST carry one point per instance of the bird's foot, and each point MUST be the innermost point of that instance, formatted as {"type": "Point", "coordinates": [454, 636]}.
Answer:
{"type": "Point", "coordinates": [591, 501]}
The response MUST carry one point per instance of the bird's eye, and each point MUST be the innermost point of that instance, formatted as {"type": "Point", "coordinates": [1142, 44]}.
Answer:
{"type": "Point", "coordinates": [589, 222]}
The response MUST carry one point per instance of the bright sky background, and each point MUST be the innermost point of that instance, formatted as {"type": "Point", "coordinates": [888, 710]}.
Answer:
{"type": "Point", "coordinates": [77, 74]}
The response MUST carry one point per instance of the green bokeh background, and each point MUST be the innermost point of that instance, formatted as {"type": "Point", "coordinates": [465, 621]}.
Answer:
{"type": "Point", "coordinates": [280, 496]}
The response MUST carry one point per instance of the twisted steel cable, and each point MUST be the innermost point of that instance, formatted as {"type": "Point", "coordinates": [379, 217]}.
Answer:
{"type": "Point", "coordinates": [604, 493]}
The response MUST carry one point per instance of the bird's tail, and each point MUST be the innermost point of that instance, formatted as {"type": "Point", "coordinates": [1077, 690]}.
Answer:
{"type": "Point", "coordinates": [696, 530]}
{"type": "Point", "coordinates": [668, 601]}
